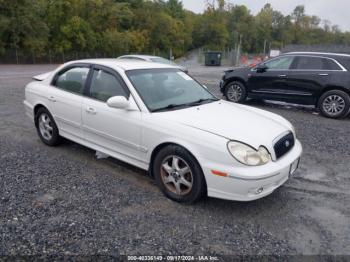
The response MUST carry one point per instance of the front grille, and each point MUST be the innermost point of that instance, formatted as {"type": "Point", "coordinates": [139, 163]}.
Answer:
{"type": "Point", "coordinates": [284, 145]}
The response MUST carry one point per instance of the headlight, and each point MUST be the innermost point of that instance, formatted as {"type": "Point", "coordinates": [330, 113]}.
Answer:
{"type": "Point", "coordinates": [248, 155]}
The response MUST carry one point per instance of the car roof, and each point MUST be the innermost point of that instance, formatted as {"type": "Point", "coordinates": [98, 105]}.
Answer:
{"type": "Point", "coordinates": [124, 64]}
{"type": "Point", "coordinates": [317, 54]}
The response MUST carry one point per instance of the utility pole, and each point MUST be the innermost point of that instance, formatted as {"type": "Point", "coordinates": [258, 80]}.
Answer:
{"type": "Point", "coordinates": [265, 42]}
{"type": "Point", "coordinates": [238, 51]}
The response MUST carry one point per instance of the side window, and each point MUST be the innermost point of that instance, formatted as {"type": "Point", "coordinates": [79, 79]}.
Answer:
{"type": "Point", "coordinates": [330, 65]}
{"type": "Point", "coordinates": [72, 80]}
{"type": "Point", "coordinates": [281, 63]}
{"type": "Point", "coordinates": [105, 85]}
{"type": "Point", "coordinates": [310, 63]}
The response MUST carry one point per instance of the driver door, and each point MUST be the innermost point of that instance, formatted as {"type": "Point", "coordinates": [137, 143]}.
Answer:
{"type": "Point", "coordinates": [271, 82]}
{"type": "Point", "coordinates": [112, 129]}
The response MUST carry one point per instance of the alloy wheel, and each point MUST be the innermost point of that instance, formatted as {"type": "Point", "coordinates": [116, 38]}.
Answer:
{"type": "Point", "coordinates": [45, 126]}
{"type": "Point", "coordinates": [176, 175]}
{"type": "Point", "coordinates": [333, 105]}
{"type": "Point", "coordinates": [234, 92]}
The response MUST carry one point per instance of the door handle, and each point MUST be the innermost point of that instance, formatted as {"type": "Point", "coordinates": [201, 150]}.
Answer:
{"type": "Point", "coordinates": [91, 110]}
{"type": "Point", "coordinates": [323, 74]}
{"type": "Point", "coordinates": [282, 75]}
{"type": "Point", "coordinates": [52, 98]}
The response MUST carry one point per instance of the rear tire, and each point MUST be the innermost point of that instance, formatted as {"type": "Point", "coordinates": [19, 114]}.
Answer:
{"type": "Point", "coordinates": [46, 127]}
{"type": "Point", "coordinates": [236, 92]}
{"type": "Point", "coordinates": [334, 104]}
{"type": "Point", "coordinates": [178, 174]}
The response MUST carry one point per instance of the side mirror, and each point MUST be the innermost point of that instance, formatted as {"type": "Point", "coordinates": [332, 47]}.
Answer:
{"type": "Point", "coordinates": [261, 68]}
{"type": "Point", "coordinates": [119, 102]}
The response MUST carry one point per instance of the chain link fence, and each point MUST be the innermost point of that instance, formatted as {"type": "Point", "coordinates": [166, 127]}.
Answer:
{"type": "Point", "coordinates": [229, 57]}
{"type": "Point", "coordinates": [14, 56]}
{"type": "Point", "coordinates": [232, 57]}
{"type": "Point", "coordinates": [21, 57]}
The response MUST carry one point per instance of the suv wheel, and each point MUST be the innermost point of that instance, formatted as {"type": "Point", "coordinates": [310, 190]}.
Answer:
{"type": "Point", "coordinates": [236, 92]}
{"type": "Point", "coordinates": [46, 127]}
{"type": "Point", "coordinates": [178, 174]}
{"type": "Point", "coordinates": [334, 104]}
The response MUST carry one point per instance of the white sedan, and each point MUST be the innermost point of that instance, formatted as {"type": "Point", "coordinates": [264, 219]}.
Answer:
{"type": "Point", "coordinates": [158, 118]}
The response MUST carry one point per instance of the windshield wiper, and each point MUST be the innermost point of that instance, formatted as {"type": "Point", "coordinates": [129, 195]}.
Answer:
{"type": "Point", "coordinates": [201, 101]}
{"type": "Point", "coordinates": [171, 106]}
{"type": "Point", "coordinates": [195, 103]}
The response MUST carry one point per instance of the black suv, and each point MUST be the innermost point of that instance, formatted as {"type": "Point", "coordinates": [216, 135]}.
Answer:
{"type": "Point", "coordinates": [320, 79]}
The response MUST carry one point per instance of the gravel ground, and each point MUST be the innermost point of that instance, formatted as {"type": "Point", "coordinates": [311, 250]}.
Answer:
{"type": "Point", "coordinates": [63, 201]}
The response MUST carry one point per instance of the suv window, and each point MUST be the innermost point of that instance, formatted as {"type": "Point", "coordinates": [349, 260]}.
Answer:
{"type": "Point", "coordinates": [309, 63]}
{"type": "Point", "coordinates": [105, 85]}
{"type": "Point", "coordinates": [72, 80]}
{"type": "Point", "coordinates": [330, 65]}
{"type": "Point", "coordinates": [280, 63]}
{"type": "Point", "coordinates": [315, 63]}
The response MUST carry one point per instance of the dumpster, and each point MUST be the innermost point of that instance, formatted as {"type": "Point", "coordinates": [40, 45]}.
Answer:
{"type": "Point", "coordinates": [213, 58]}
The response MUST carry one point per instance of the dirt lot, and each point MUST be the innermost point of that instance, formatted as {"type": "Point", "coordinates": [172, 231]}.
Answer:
{"type": "Point", "coordinates": [64, 201]}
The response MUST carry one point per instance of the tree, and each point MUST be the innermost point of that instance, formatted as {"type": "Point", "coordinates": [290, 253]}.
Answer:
{"type": "Point", "coordinates": [264, 25]}
{"type": "Point", "coordinates": [175, 9]}
{"type": "Point", "coordinates": [241, 23]}
{"type": "Point", "coordinates": [211, 29]}
{"type": "Point", "coordinates": [113, 27]}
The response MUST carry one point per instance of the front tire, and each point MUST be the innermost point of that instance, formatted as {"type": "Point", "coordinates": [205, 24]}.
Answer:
{"type": "Point", "coordinates": [334, 104]}
{"type": "Point", "coordinates": [178, 174]}
{"type": "Point", "coordinates": [236, 92]}
{"type": "Point", "coordinates": [46, 127]}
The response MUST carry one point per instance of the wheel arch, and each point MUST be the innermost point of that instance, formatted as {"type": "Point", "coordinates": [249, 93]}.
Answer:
{"type": "Point", "coordinates": [36, 109]}
{"type": "Point", "coordinates": [169, 143]}
{"type": "Point", "coordinates": [330, 88]}
{"type": "Point", "coordinates": [235, 79]}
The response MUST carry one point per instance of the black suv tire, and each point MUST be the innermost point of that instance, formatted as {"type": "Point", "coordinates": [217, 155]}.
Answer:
{"type": "Point", "coordinates": [334, 104]}
{"type": "Point", "coordinates": [236, 92]}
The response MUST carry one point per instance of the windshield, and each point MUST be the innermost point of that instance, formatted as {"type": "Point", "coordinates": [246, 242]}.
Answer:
{"type": "Point", "coordinates": [165, 89]}
{"type": "Point", "coordinates": [163, 61]}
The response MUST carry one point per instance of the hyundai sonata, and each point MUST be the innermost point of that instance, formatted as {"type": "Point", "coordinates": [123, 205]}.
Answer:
{"type": "Point", "coordinates": [160, 119]}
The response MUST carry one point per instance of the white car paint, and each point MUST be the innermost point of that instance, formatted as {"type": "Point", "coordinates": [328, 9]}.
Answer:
{"type": "Point", "coordinates": [132, 134]}
{"type": "Point", "coordinates": [150, 58]}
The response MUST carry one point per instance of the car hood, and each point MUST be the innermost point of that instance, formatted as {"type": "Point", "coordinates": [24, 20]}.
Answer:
{"type": "Point", "coordinates": [233, 121]}
{"type": "Point", "coordinates": [230, 70]}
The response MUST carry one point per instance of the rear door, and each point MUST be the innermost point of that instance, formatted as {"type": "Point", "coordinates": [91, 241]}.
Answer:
{"type": "Point", "coordinates": [270, 83]}
{"type": "Point", "coordinates": [65, 98]}
{"type": "Point", "coordinates": [307, 77]}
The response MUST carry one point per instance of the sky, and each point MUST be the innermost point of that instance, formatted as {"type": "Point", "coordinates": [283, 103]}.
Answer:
{"type": "Point", "coordinates": [336, 11]}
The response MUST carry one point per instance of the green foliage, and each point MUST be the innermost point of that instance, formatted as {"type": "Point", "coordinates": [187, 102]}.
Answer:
{"type": "Point", "coordinates": [115, 27]}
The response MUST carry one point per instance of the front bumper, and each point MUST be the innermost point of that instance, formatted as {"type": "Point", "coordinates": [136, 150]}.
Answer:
{"type": "Point", "coordinates": [249, 183]}
{"type": "Point", "coordinates": [29, 110]}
